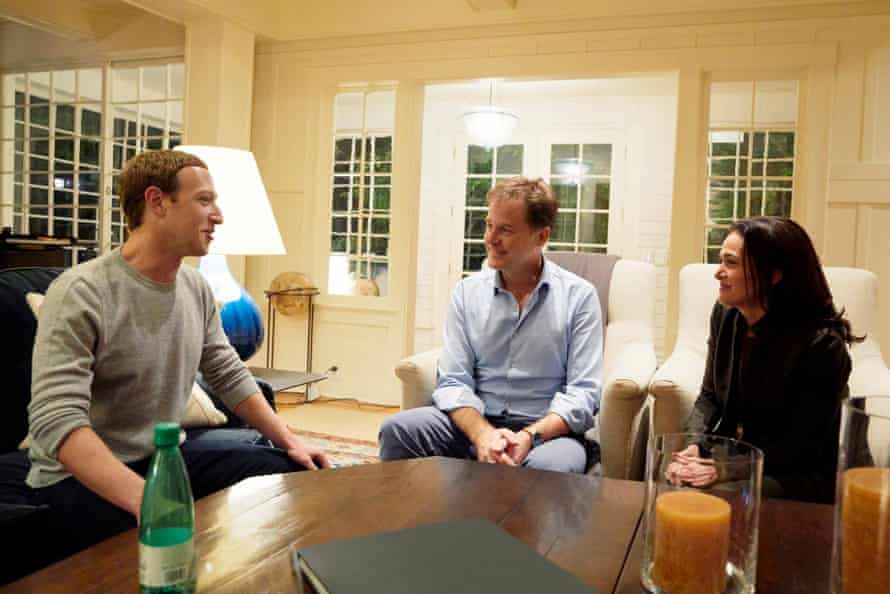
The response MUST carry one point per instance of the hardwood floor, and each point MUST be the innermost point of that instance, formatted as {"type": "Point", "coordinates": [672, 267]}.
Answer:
{"type": "Point", "coordinates": [343, 418]}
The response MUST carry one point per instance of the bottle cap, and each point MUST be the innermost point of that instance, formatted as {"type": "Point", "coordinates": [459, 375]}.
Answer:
{"type": "Point", "coordinates": [166, 434]}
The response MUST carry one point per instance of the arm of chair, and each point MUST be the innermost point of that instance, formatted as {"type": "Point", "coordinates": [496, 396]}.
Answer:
{"type": "Point", "coordinates": [233, 420]}
{"type": "Point", "coordinates": [418, 376]}
{"type": "Point", "coordinates": [624, 391]}
{"type": "Point", "coordinates": [870, 377]}
{"type": "Point", "coordinates": [674, 387]}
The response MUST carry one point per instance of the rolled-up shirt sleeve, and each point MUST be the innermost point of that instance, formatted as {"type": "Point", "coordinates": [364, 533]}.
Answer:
{"type": "Point", "coordinates": [456, 387]}
{"type": "Point", "coordinates": [580, 401]}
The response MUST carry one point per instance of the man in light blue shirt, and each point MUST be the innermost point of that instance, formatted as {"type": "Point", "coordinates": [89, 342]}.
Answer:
{"type": "Point", "coordinates": [520, 372]}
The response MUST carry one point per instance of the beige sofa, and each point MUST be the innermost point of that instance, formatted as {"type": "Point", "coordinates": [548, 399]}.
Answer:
{"type": "Point", "coordinates": [676, 384]}
{"type": "Point", "coordinates": [628, 364]}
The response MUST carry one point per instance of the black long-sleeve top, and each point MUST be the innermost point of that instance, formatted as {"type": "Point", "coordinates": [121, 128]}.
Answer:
{"type": "Point", "coordinates": [780, 388]}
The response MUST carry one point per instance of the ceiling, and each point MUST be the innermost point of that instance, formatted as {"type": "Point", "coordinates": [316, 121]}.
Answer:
{"type": "Point", "coordinates": [294, 20]}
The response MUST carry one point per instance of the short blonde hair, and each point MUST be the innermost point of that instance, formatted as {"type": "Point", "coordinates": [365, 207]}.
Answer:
{"type": "Point", "coordinates": [538, 195]}
{"type": "Point", "coordinates": [151, 168]}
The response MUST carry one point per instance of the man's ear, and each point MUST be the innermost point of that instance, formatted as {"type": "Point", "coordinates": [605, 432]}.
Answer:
{"type": "Point", "coordinates": [542, 236]}
{"type": "Point", "coordinates": [777, 276]}
{"type": "Point", "coordinates": [154, 200]}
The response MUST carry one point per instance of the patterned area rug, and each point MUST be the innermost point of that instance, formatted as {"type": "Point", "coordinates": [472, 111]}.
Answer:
{"type": "Point", "coordinates": [341, 451]}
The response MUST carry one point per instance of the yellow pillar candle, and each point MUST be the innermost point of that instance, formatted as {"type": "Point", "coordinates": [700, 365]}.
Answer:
{"type": "Point", "coordinates": [691, 543]}
{"type": "Point", "coordinates": [865, 529]}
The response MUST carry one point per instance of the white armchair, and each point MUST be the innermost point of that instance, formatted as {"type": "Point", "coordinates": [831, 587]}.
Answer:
{"type": "Point", "coordinates": [676, 384]}
{"type": "Point", "coordinates": [628, 364]}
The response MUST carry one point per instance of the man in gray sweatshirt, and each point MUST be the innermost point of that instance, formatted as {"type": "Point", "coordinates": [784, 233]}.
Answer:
{"type": "Point", "coordinates": [119, 342]}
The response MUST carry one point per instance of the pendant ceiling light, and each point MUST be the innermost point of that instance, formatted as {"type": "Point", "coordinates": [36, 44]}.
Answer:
{"type": "Point", "coordinates": [489, 125]}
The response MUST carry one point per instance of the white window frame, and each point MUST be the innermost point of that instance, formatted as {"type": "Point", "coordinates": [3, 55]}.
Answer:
{"type": "Point", "coordinates": [363, 257]}
{"type": "Point", "coordinates": [750, 128]}
{"type": "Point", "coordinates": [109, 223]}
{"type": "Point", "coordinates": [617, 197]}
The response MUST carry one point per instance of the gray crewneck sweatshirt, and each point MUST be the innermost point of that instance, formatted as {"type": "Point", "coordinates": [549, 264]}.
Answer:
{"type": "Point", "coordinates": [119, 352]}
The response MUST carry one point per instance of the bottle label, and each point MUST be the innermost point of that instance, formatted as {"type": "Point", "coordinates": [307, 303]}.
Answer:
{"type": "Point", "coordinates": [166, 566]}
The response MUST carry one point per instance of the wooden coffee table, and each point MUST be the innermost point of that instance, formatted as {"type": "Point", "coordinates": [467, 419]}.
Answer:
{"type": "Point", "coordinates": [586, 525]}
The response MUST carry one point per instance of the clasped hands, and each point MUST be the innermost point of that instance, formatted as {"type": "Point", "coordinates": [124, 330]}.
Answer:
{"type": "Point", "coordinates": [687, 467]}
{"type": "Point", "coordinates": [503, 446]}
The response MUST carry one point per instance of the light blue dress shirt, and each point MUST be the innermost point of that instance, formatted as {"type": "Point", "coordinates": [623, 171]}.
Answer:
{"type": "Point", "coordinates": [523, 366]}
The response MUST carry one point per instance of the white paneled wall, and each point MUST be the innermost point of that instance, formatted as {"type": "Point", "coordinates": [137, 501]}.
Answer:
{"type": "Point", "coordinates": [639, 111]}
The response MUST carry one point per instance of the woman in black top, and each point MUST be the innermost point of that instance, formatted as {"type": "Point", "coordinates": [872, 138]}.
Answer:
{"type": "Point", "coordinates": [777, 364]}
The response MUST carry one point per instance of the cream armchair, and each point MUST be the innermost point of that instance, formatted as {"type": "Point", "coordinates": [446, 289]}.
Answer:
{"type": "Point", "coordinates": [628, 360]}
{"type": "Point", "coordinates": [676, 384]}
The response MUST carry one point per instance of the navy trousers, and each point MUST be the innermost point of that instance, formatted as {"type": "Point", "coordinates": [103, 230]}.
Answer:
{"type": "Point", "coordinates": [81, 518]}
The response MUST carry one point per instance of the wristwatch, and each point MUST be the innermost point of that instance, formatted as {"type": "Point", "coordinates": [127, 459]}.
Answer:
{"type": "Point", "coordinates": [537, 438]}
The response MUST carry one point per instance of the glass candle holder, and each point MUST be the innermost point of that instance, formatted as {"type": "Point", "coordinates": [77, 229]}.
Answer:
{"type": "Point", "coordinates": [702, 510]}
{"type": "Point", "coordinates": [861, 551]}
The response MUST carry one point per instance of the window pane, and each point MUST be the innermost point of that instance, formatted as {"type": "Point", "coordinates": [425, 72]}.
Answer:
{"type": "Point", "coordinates": [89, 183]}
{"type": "Point", "coordinates": [565, 227]}
{"type": "Point", "coordinates": [381, 199]}
{"type": "Point", "coordinates": [62, 228]}
{"type": "Point", "coordinates": [780, 168]}
{"type": "Point", "coordinates": [63, 86]}
{"type": "Point", "coordinates": [781, 144]}
{"type": "Point", "coordinates": [474, 254]}
{"type": "Point", "coordinates": [720, 205]}
{"type": "Point", "coordinates": [561, 155]}
{"type": "Point", "coordinates": [38, 196]}
{"type": "Point", "coordinates": [566, 193]}
{"type": "Point", "coordinates": [778, 203]}
{"type": "Point", "coordinates": [595, 194]}
{"type": "Point", "coordinates": [40, 116]}
{"type": "Point", "coordinates": [509, 159]}
{"type": "Point", "coordinates": [724, 143]}
{"type": "Point", "coordinates": [383, 149]}
{"type": "Point", "coordinates": [723, 167]}
{"type": "Point", "coordinates": [65, 117]}
{"type": "Point", "coordinates": [65, 151]}
{"type": "Point", "coordinates": [343, 149]}
{"type": "Point", "coordinates": [338, 243]}
{"type": "Point", "coordinates": [379, 246]}
{"type": "Point", "coordinates": [177, 80]}
{"type": "Point", "coordinates": [479, 159]}
{"type": "Point", "coordinates": [715, 236]}
{"type": "Point", "coordinates": [380, 225]}
{"type": "Point", "coordinates": [154, 83]}
{"type": "Point", "coordinates": [124, 84]}
{"type": "Point", "coordinates": [89, 83]}
{"type": "Point", "coordinates": [89, 152]}
{"type": "Point", "coordinates": [477, 189]}
{"type": "Point", "coordinates": [599, 158]}
{"type": "Point", "coordinates": [340, 202]}
{"type": "Point", "coordinates": [474, 224]}
{"type": "Point", "coordinates": [38, 225]}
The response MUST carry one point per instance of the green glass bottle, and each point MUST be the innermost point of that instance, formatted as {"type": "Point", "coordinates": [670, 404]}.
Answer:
{"type": "Point", "coordinates": [167, 560]}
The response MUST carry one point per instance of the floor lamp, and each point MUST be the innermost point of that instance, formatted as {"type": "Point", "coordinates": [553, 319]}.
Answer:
{"type": "Point", "coordinates": [248, 229]}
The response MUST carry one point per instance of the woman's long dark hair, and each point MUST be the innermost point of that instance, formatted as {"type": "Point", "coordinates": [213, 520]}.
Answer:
{"type": "Point", "coordinates": [801, 295]}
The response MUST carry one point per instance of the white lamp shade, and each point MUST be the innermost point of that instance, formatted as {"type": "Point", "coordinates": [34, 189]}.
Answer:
{"type": "Point", "coordinates": [489, 125]}
{"type": "Point", "coordinates": [249, 226]}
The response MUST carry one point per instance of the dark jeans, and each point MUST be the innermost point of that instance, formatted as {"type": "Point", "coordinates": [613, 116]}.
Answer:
{"type": "Point", "coordinates": [81, 518]}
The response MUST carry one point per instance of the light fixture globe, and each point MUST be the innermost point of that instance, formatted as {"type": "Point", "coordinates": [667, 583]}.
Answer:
{"type": "Point", "coordinates": [489, 126]}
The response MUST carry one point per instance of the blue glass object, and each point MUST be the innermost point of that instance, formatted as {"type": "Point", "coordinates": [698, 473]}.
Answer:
{"type": "Point", "coordinates": [241, 319]}
{"type": "Point", "coordinates": [243, 325]}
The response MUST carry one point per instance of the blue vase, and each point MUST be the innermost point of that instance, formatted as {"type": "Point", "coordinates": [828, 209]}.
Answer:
{"type": "Point", "coordinates": [241, 319]}
{"type": "Point", "coordinates": [243, 325]}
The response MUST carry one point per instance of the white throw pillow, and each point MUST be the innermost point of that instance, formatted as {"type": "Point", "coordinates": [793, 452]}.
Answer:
{"type": "Point", "coordinates": [199, 410]}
